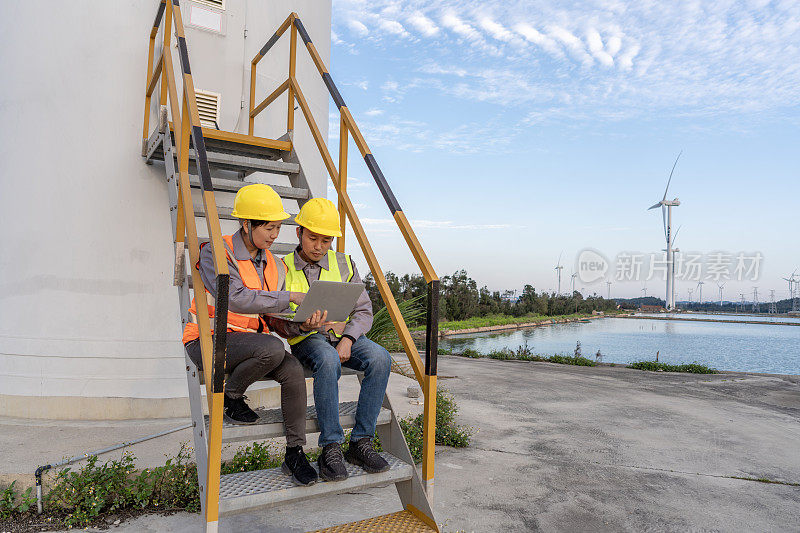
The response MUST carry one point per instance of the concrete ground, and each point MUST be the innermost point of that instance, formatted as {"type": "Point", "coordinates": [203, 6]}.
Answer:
{"type": "Point", "coordinates": [562, 448]}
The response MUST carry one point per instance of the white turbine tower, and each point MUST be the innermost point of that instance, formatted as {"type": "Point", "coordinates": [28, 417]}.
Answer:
{"type": "Point", "coordinates": [558, 269]}
{"type": "Point", "coordinates": [700, 288]}
{"type": "Point", "coordinates": [666, 214]}
{"type": "Point", "coordinates": [720, 294]}
{"type": "Point", "coordinates": [573, 276]}
{"type": "Point", "coordinates": [608, 283]}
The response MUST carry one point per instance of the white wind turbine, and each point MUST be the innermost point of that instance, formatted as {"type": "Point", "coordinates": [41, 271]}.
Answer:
{"type": "Point", "coordinates": [558, 269]}
{"type": "Point", "coordinates": [573, 276]}
{"type": "Point", "coordinates": [666, 214]}
{"type": "Point", "coordinates": [720, 293]}
{"type": "Point", "coordinates": [700, 287]}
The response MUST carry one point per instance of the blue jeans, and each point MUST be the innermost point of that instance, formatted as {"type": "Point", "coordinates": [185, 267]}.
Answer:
{"type": "Point", "coordinates": [319, 354]}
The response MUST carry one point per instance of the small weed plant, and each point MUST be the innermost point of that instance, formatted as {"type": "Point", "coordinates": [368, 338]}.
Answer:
{"type": "Point", "coordinates": [13, 503]}
{"type": "Point", "coordinates": [448, 433]}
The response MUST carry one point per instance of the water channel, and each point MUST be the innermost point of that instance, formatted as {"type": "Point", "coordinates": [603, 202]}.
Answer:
{"type": "Point", "coordinates": [725, 346]}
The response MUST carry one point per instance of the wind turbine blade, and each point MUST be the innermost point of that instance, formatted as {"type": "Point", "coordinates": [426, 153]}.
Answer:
{"type": "Point", "coordinates": [676, 234]}
{"type": "Point", "coordinates": [658, 204]}
{"type": "Point", "coordinates": [559, 258]}
{"type": "Point", "coordinates": [670, 175]}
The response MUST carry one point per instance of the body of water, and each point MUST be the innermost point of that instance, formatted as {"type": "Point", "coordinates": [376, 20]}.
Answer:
{"type": "Point", "coordinates": [725, 346]}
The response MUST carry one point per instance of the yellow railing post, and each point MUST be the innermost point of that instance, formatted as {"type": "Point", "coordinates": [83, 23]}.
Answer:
{"type": "Point", "coordinates": [166, 50]}
{"type": "Point", "coordinates": [344, 139]}
{"type": "Point", "coordinates": [251, 118]}
{"type": "Point", "coordinates": [292, 68]}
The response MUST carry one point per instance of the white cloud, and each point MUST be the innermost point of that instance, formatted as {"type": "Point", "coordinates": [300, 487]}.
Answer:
{"type": "Point", "coordinates": [358, 27]}
{"type": "Point", "coordinates": [423, 24]}
{"type": "Point", "coordinates": [495, 30]}
{"type": "Point", "coordinates": [374, 112]}
{"type": "Point", "coordinates": [597, 49]}
{"type": "Point", "coordinates": [451, 21]}
{"type": "Point", "coordinates": [393, 27]}
{"type": "Point", "coordinates": [573, 45]}
{"type": "Point", "coordinates": [417, 224]}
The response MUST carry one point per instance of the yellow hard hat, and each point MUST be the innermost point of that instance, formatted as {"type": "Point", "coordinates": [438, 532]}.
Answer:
{"type": "Point", "coordinates": [258, 202]}
{"type": "Point", "coordinates": [320, 216]}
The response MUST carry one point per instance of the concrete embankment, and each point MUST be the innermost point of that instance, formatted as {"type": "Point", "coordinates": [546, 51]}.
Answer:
{"type": "Point", "coordinates": [728, 321]}
{"type": "Point", "coordinates": [501, 327]}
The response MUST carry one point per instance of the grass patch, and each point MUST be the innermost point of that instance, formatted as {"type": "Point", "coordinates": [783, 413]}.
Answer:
{"type": "Point", "coordinates": [499, 320]}
{"type": "Point", "coordinates": [523, 353]}
{"type": "Point", "coordinates": [692, 368]}
{"type": "Point", "coordinates": [448, 433]}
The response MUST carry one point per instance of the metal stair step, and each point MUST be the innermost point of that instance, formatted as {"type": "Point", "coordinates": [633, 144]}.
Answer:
{"type": "Point", "coordinates": [225, 214]}
{"type": "Point", "coordinates": [399, 522]}
{"type": "Point", "coordinates": [219, 184]}
{"type": "Point", "coordinates": [246, 163]}
{"type": "Point", "coordinates": [262, 488]}
{"type": "Point", "coordinates": [270, 423]}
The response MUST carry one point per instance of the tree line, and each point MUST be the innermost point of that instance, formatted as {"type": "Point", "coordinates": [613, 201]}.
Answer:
{"type": "Point", "coordinates": [460, 298]}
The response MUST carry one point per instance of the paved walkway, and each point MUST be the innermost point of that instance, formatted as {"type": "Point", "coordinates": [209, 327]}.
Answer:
{"type": "Point", "coordinates": [562, 448]}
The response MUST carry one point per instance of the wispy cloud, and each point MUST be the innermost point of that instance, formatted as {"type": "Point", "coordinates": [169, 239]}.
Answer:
{"type": "Point", "coordinates": [626, 58]}
{"type": "Point", "coordinates": [386, 224]}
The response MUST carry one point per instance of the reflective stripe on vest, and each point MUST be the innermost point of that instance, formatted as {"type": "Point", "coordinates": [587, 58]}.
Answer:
{"type": "Point", "coordinates": [340, 268]}
{"type": "Point", "coordinates": [274, 276]}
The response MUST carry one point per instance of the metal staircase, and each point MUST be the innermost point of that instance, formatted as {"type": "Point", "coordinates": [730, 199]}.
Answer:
{"type": "Point", "coordinates": [204, 168]}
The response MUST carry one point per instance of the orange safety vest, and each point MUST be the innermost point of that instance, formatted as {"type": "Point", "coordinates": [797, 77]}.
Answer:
{"type": "Point", "coordinates": [251, 323]}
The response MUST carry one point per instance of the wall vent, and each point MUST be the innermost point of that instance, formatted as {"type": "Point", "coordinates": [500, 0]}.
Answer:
{"type": "Point", "coordinates": [208, 106]}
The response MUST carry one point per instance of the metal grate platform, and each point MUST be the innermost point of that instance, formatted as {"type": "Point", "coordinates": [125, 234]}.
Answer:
{"type": "Point", "coordinates": [400, 522]}
{"type": "Point", "coordinates": [270, 423]}
{"type": "Point", "coordinates": [261, 488]}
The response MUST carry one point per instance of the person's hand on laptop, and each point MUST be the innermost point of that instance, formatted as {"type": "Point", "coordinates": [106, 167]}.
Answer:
{"type": "Point", "coordinates": [344, 349]}
{"type": "Point", "coordinates": [317, 320]}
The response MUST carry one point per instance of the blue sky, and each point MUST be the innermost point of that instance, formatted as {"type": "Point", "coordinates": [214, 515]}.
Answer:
{"type": "Point", "coordinates": [514, 131]}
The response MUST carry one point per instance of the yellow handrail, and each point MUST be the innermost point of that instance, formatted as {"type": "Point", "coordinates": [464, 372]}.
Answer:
{"type": "Point", "coordinates": [426, 376]}
{"type": "Point", "coordinates": [189, 130]}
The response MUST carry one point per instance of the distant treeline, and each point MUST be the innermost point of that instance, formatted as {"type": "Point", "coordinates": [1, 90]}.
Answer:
{"type": "Point", "coordinates": [460, 298]}
{"type": "Point", "coordinates": [783, 306]}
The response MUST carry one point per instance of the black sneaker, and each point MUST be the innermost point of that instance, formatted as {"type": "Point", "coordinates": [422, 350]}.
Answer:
{"type": "Point", "coordinates": [331, 463]}
{"type": "Point", "coordinates": [361, 453]}
{"type": "Point", "coordinates": [237, 410]}
{"type": "Point", "coordinates": [295, 464]}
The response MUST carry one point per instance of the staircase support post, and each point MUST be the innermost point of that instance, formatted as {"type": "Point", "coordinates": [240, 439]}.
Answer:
{"type": "Point", "coordinates": [343, 142]}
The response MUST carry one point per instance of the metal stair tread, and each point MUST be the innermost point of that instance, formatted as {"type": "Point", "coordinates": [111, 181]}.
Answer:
{"type": "Point", "coordinates": [228, 143]}
{"type": "Point", "coordinates": [243, 162]}
{"type": "Point", "coordinates": [399, 522]}
{"type": "Point", "coordinates": [224, 213]}
{"type": "Point", "coordinates": [226, 185]}
{"type": "Point", "coordinates": [260, 488]}
{"type": "Point", "coordinates": [270, 423]}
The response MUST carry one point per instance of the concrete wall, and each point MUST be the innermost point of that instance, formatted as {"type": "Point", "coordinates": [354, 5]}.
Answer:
{"type": "Point", "coordinates": [89, 319]}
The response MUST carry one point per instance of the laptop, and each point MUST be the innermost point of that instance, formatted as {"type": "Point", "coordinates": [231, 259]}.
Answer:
{"type": "Point", "coordinates": [336, 297]}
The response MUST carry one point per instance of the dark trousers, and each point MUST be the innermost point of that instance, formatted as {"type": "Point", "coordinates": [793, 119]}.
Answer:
{"type": "Point", "coordinates": [252, 356]}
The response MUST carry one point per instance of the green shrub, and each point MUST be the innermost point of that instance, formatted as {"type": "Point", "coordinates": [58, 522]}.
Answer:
{"type": "Point", "coordinates": [691, 368]}
{"type": "Point", "coordinates": [257, 456]}
{"type": "Point", "coordinates": [85, 494]}
{"type": "Point", "coordinates": [448, 433]}
{"type": "Point", "coordinates": [12, 503]}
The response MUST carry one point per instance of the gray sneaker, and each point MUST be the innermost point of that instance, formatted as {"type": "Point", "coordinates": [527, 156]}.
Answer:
{"type": "Point", "coordinates": [331, 463]}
